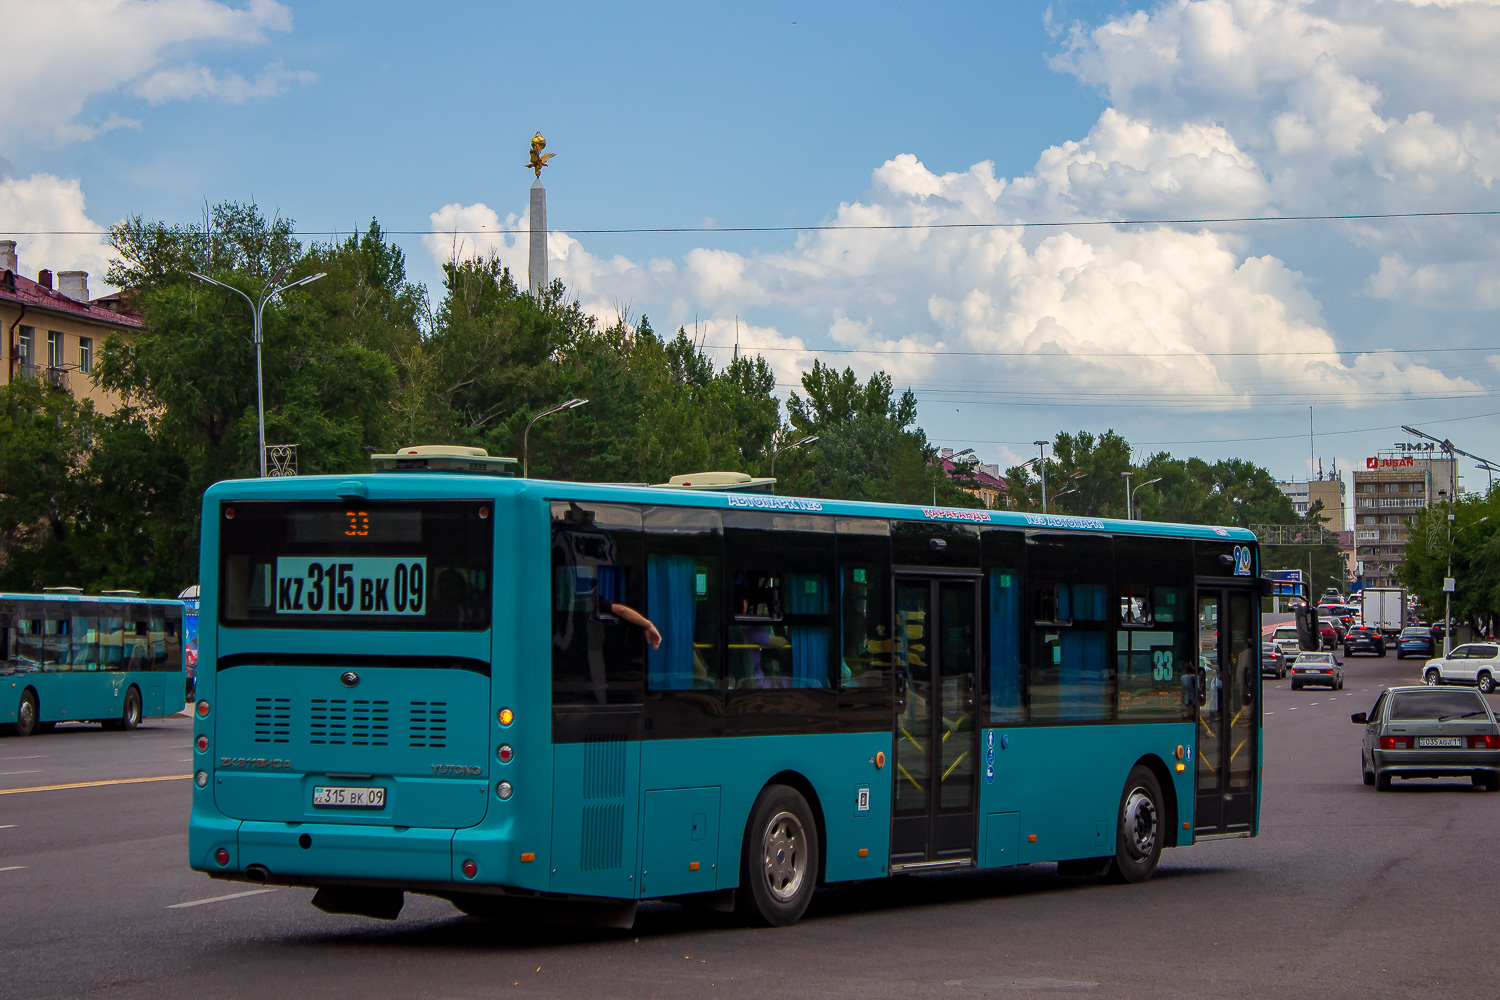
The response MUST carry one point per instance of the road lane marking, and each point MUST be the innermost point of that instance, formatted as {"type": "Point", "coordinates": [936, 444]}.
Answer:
{"type": "Point", "coordinates": [7, 826]}
{"type": "Point", "coordinates": [1292, 709]}
{"type": "Point", "coordinates": [216, 899]}
{"type": "Point", "coordinates": [13, 868]}
{"type": "Point", "coordinates": [93, 784]}
{"type": "Point", "coordinates": [30, 756]}
{"type": "Point", "coordinates": [34, 770]}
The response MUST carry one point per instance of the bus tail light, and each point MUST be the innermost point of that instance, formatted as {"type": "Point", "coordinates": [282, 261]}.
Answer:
{"type": "Point", "coordinates": [504, 790]}
{"type": "Point", "coordinates": [470, 868]}
{"type": "Point", "coordinates": [1394, 743]}
{"type": "Point", "coordinates": [504, 753]}
{"type": "Point", "coordinates": [1484, 742]}
{"type": "Point", "coordinates": [221, 857]}
{"type": "Point", "coordinates": [202, 709]}
{"type": "Point", "coordinates": [201, 779]}
{"type": "Point", "coordinates": [505, 717]}
{"type": "Point", "coordinates": [203, 744]}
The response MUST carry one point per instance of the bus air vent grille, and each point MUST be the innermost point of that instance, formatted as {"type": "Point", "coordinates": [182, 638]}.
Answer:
{"type": "Point", "coordinates": [357, 722]}
{"type": "Point", "coordinates": [603, 837]}
{"type": "Point", "coordinates": [273, 720]}
{"type": "Point", "coordinates": [427, 725]}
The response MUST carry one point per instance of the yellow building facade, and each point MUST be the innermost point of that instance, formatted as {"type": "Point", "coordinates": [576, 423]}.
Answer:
{"type": "Point", "coordinates": [51, 330]}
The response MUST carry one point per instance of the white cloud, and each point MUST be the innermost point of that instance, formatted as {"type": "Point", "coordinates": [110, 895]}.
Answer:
{"type": "Point", "coordinates": [179, 83]}
{"type": "Point", "coordinates": [61, 53]}
{"type": "Point", "coordinates": [1032, 310]}
{"type": "Point", "coordinates": [43, 203]}
{"type": "Point", "coordinates": [1343, 105]}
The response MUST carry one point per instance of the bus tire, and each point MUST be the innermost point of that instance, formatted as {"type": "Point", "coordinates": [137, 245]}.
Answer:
{"type": "Point", "coordinates": [779, 862]}
{"type": "Point", "coordinates": [1141, 828]}
{"type": "Point", "coordinates": [130, 714]}
{"type": "Point", "coordinates": [27, 713]}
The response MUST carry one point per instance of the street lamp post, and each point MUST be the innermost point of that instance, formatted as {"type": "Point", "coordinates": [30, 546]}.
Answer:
{"type": "Point", "coordinates": [571, 404]}
{"type": "Point", "coordinates": [787, 447]}
{"type": "Point", "coordinates": [255, 311]}
{"type": "Point", "coordinates": [1041, 447]}
{"type": "Point", "coordinates": [1141, 487]}
{"type": "Point", "coordinates": [1448, 581]}
{"type": "Point", "coordinates": [1127, 474]}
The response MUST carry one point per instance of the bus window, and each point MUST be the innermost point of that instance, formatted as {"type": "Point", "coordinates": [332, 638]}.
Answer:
{"type": "Point", "coordinates": [683, 585]}
{"type": "Point", "coordinates": [28, 642]}
{"type": "Point", "coordinates": [111, 641]}
{"type": "Point", "coordinates": [780, 634]}
{"type": "Point", "coordinates": [56, 648]}
{"type": "Point", "coordinates": [85, 654]}
{"type": "Point", "coordinates": [597, 656]}
{"type": "Point", "coordinates": [1071, 677]}
{"type": "Point", "coordinates": [137, 655]}
{"type": "Point", "coordinates": [156, 642]}
{"type": "Point", "coordinates": [1004, 552]}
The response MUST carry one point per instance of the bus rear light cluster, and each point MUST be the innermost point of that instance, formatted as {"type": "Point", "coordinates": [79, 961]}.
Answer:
{"type": "Point", "coordinates": [202, 709]}
{"type": "Point", "coordinates": [202, 744]}
{"type": "Point", "coordinates": [470, 868]}
{"type": "Point", "coordinates": [201, 779]}
{"type": "Point", "coordinates": [1395, 742]}
{"type": "Point", "coordinates": [504, 753]}
{"type": "Point", "coordinates": [504, 790]}
{"type": "Point", "coordinates": [221, 857]}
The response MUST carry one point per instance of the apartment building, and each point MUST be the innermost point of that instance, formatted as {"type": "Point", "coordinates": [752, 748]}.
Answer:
{"type": "Point", "coordinates": [50, 329]}
{"type": "Point", "coordinates": [1389, 493]}
{"type": "Point", "coordinates": [1330, 491]}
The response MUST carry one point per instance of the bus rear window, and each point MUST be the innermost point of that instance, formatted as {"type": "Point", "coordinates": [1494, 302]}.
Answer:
{"type": "Point", "coordinates": [368, 566]}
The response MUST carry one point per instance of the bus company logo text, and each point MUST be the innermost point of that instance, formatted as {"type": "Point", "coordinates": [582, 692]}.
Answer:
{"type": "Point", "coordinates": [455, 769]}
{"type": "Point", "coordinates": [956, 514]}
{"type": "Point", "coordinates": [256, 762]}
{"type": "Point", "coordinates": [1389, 463]}
{"type": "Point", "coordinates": [772, 503]}
{"type": "Point", "coordinates": [1063, 521]}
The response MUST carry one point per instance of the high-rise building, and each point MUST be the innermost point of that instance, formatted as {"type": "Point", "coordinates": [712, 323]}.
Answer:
{"type": "Point", "coordinates": [1389, 494]}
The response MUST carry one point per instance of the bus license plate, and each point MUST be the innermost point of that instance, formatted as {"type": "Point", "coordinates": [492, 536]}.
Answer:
{"type": "Point", "coordinates": [352, 585]}
{"type": "Point", "coordinates": [1440, 741]}
{"type": "Point", "coordinates": [348, 797]}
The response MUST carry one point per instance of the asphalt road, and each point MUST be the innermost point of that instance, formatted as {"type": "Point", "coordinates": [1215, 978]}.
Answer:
{"type": "Point", "coordinates": [1347, 892]}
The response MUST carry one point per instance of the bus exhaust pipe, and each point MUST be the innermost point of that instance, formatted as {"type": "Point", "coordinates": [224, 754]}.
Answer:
{"type": "Point", "coordinates": [257, 874]}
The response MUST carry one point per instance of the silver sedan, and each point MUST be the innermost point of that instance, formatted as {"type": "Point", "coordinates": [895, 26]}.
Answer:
{"type": "Point", "coordinates": [1421, 732]}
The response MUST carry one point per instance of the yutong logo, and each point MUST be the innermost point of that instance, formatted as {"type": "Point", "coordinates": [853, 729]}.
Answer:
{"type": "Point", "coordinates": [455, 769]}
{"type": "Point", "coordinates": [257, 762]}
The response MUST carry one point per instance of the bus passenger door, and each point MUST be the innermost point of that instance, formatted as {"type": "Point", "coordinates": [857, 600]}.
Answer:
{"type": "Point", "coordinates": [936, 738]}
{"type": "Point", "coordinates": [1229, 710]}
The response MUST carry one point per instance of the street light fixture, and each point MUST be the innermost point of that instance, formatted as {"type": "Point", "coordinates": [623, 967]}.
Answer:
{"type": "Point", "coordinates": [787, 447]}
{"type": "Point", "coordinates": [255, 309]}
{"type": "Point", "coordinates": [1129, 499]}
{"type": "Point", "coordinates": [1041, 447]}
{"type": "Point", "coordinates": [571, 404]}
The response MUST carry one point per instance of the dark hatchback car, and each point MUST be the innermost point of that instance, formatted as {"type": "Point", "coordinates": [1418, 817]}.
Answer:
{"type": "Point", "coordinates": [1416, 641]}
{"type": "Point", "coordinates": [1364, 640]}
{"type": "Point", "coordinates": [1422, 732]}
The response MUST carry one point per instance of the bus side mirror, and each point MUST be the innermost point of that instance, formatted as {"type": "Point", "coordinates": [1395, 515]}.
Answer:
{"type": "Point", "coordinates": [1266, 586]}
{"type": "Point", "coordinates": [1360, 718]}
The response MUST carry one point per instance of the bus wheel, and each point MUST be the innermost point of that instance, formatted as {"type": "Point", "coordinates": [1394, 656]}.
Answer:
{"type": "Point", "coordinates": [779, 863]}
{"type": "Point", "coordinates": [130, 715]}
{"type": "Point", "coordinates": [1138, 841]}
{"type": "Point", "coordinates": [26, 714]}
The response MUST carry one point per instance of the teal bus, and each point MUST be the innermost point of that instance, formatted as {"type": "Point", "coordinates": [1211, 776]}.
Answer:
{"type": "Point", "coordinates": [523, 695]}
{"type": "Point", "coordinates": [68, 657]}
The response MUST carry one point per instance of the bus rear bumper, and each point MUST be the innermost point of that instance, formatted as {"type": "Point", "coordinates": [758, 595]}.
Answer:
{"type": "Point", "coordinates": [305, 853]}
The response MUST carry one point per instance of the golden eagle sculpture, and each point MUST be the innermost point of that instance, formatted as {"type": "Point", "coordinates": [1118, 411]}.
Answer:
{"type": "Point", "coordinates": [538, 158]}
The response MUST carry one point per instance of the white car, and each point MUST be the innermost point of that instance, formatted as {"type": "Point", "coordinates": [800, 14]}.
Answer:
{"type": "Point", "coordinates": [1476, 663]}
{"type": "Point", "coordinates": [1285, 637]}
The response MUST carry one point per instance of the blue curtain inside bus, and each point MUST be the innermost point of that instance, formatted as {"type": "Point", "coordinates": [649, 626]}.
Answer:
{"type": "Point", "coordinates": [1005, 647]}
{"type": "Point", "coordinates": [671, 601]}
{"type": "Point", "coordinates": [807, 594]}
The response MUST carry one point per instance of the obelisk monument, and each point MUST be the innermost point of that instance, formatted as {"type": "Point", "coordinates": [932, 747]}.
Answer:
{"type": "Point", "coordinates": [536, 267]}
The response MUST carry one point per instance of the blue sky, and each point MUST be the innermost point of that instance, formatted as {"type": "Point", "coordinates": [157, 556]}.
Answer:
{"type": "Point", "coordinates": [1207, 340]}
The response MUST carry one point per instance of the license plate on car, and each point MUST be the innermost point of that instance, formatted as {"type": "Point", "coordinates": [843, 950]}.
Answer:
{"type": "Point", "coordinates": [349, 797]}
{"type": "Point", "coordinates": [1440, 741]}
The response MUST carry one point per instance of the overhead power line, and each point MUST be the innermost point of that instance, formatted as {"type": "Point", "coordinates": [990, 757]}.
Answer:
{"type": "Point", "coordinates": [1104, 354]}
{"type": "Point", "coordinates": [875, 227]}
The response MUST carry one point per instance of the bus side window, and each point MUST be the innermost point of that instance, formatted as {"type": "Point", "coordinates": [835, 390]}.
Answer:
{"type": "Point", "coordinates": [780, 633]}
{"type": "Point", "coordinates": [597, 656]}
{"type": "Point", "coordinates": [1072, 675]}
{"type": "Point", "coordinates": [28, 641]}
{"type": "Point", "coordinates": [1004, 554]}
{"type": "Point", "coordinates": [56, 651]}
{"type": "Point", "coordinates": [1153, 639]}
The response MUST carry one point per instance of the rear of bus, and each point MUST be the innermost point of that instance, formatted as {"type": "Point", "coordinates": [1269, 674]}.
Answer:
{"type": "Point", "coordinates": [352, 730]}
